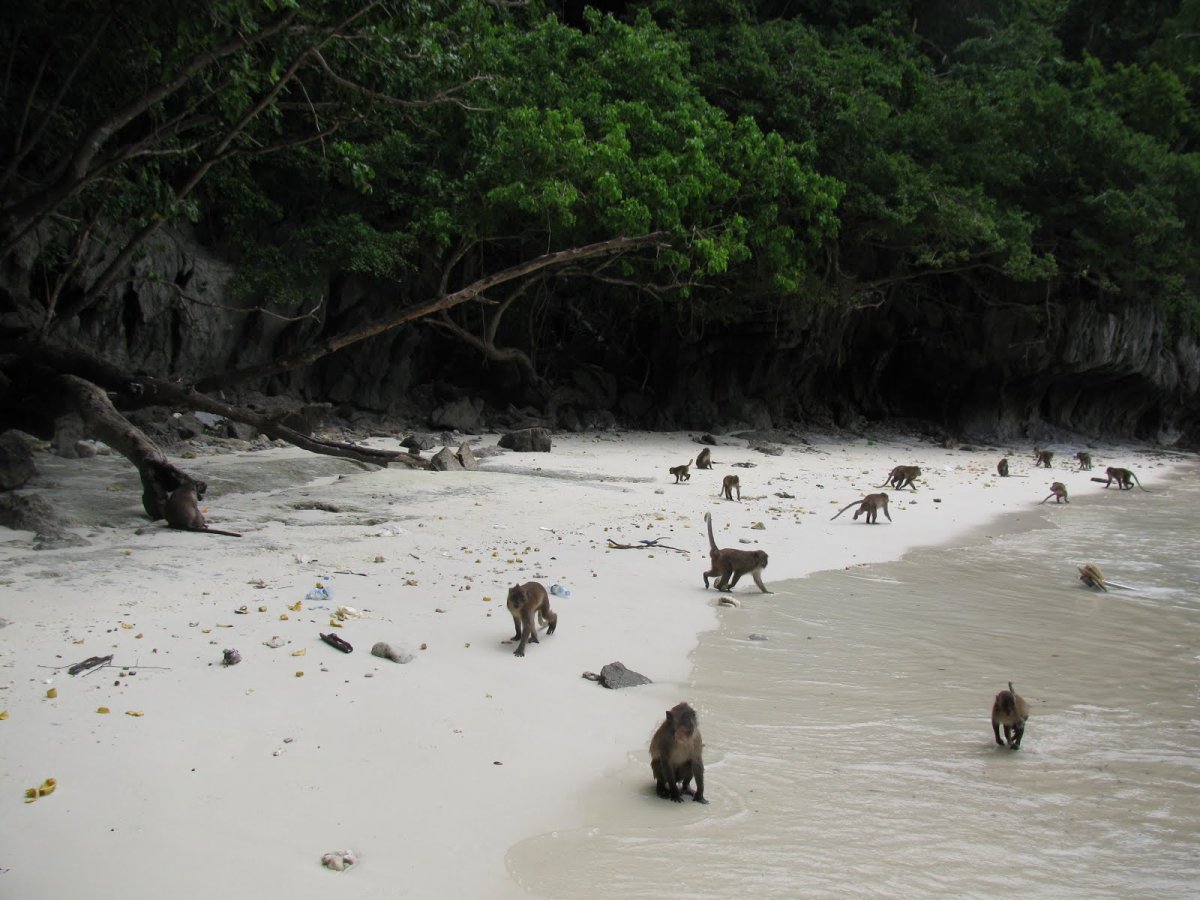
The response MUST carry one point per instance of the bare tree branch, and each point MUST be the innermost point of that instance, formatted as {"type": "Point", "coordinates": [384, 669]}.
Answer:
{"type": "Point", "coordinates": [320, 349]}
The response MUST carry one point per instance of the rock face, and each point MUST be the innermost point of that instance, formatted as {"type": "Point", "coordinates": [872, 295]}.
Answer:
{"type": "Point", "coordinates": [975, 366]}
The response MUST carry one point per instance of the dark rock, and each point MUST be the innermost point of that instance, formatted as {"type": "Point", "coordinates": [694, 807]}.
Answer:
{"type": "Point", "coordinates": [616, 676]}
{"type": "Point", "coordinates": [240, 431]}
{"type": "Point", "coordinates": [30, 512]}
{"type": "Point", "coordinates": [770, 449]}
{"type": "Point", "coordinates": [16, 460]}
{"type": "Point", "coordinates": [758, 637]}
{"type": "Point", "coordinates": [467, 457]}
{"type": "Point", "coordinates": [462, 415]}
{"type": "Point", "coordinates": [186, 426]}
{"type": "Point", "coordinates": [416, 442]}
{"type": "Point", "coordinates": [445, 461]}
{"type": "Point", "coordinates": [527, 440]}
{"type": "Point", "coordinates": [708, 439]}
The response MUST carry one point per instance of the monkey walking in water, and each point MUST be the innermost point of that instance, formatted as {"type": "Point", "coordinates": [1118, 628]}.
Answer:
{"type": "Point", "coordinates": [1043, 457]}
{"type": "Point", "coordinates": [1002, 468]}
{"type": "Point", "coordinates": [730, 563]}
{"type": "Point", "coordinates": [1085, 460]}
{"type": "Point", "coordinates": [681, 473]}
{"type": "Point", "coordinates": [870, 506]}
{"type": "Point", "coordinates": [183, 509]}
{"type": "Point", "coordinates": [1058, 491]}
{"type": "Point", "coordinates": [525, 602]}
{"type": "Point", "coordinates": [704, 459]}
{"type": "Point", "coordinates": [675, 755]}
{"type": "Point", "coordinates": [1010, 710]}
{"type": "Point", "coordinates": [729, 484]}
{"type": "Point", "coordinates": [1124, 478]}
{"type": "Point", "coordinates": [902, 477]}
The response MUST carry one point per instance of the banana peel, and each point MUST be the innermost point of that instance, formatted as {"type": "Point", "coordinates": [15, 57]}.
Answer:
{"type": "Point", "coordinates": [42, 790]}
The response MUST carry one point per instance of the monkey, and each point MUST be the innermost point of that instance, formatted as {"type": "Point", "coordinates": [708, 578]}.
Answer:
{"type": "Point", "coordinates": [1090, 574]}
{"type": "Point", "coordinates": [524, 601]}
{"type": "Point", "coordinates": [1043, 457]}
{"type": "Point", "coordinates": [1058, 491]}
{"type": "Point", "coordinates": [869, 505]}
{"type": "Point", "coordinates": [183, 509]}
{"type": "Point", "coordinates": [1002, 468]}
{"type": "Point", "coordinates": [681, 473]}
{"type": "Point", "coordinates": [675, 755]}
{"type": "Point", "coordinates": [729, 484]}
{"type": "Point", "coordinates": [730, 563]}
{"type": "Point", "coordinates": [902, 477]}
{"type": "Point", "coordinates": [1124, 478]}
{"type": "Point", "coordinates": [1085, 460]}
{"type": "Point", "coordinates": [1010, 710]}
{"type": "Point", "coordinates": [704, 459]}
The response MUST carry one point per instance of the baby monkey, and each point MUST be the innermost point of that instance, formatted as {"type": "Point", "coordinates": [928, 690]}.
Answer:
{"type": "Point", "coordinates": [681, 473]}
{"type": "Point", "coordinates": [1010, 710]}
{"type": "Point", "coordinates": [730, 563]}
{"type": "Point", "coordinates": [729, 484]}
{"type": "Point", "coordinates": [183, 509]}
{"type": "Point", "coordinates": [675, 755]}
{"type": "Point", "coordinates": [704, 459]}
{"type": "Point", "coordinates": [869, 506]}
{"type": "Point", "coordinates": [1058, 491]}
{"type": "Point", "coordinates": [525, 601]}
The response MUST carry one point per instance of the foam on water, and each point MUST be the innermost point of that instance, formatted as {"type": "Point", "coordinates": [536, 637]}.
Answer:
{"type": "Point", "coordinates": [851, 752]}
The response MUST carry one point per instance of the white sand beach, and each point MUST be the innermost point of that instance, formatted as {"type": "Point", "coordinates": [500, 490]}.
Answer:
{"type": "Point", "coordinates": [204, 779]}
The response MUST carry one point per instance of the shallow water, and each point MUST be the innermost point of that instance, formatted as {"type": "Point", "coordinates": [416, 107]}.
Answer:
{"type": "Point", "coordinates": [851, 752]}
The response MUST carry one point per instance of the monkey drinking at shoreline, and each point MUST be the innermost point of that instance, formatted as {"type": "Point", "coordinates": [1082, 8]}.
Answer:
{"type": "Point", "coordinates": [1010, 710]}
{"type": "Point", "coordinates": [730, 563]}
{"type": "Point", "coordinates": [902, 477]}
{"type": "Point", "coordinates": [529, 604]}
{"type": "Point", "coordinates": [869, 506]}
{"type": "Point", "coordinates": [675, 755]}
{"type": "Point", "coordinates": [183, 509]}
{"type": "Point", "coordinates": [681, 473]}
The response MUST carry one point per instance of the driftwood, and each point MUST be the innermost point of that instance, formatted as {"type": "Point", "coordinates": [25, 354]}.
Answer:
{"type": "Point", "coordinates": [642, 545]}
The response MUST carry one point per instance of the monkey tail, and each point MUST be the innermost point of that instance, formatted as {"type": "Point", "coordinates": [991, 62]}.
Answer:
{"type": "Point", "coordinates": [1011, 689]}
{"type": "Point", "coordinates": [1139, 483]}
{"type": "Point", "coordinates": [846, 507]}
{"type": "Point", "coordinates": [712, 541]}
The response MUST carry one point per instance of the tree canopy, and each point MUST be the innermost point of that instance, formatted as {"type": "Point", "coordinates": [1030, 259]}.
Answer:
{"type": "Point", "coordinates": [704, 159]}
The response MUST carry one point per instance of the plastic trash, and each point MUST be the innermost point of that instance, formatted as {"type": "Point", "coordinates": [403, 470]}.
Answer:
{"type": "Point", "coordinates": [559, 591]}
{"type": "Point", "coordinates": [318, 593]}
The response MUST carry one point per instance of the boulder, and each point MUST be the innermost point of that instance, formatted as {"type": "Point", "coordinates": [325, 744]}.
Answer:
{"type": "Point", "coordinates": [527, 440]}
{"type": "Point", "coordinates": [445, 461]}
{"type": "Point", "coordinates": [16, 460]}
{"type": "Point", "coordinates": [461, 415]}
{"type": "Point", "coordinates": [467, 457]}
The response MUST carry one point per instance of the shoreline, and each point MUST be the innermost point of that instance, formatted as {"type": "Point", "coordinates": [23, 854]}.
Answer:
{"type": "Point", "coordinates": [865, 756]}
{"type": "Point", "coordinates": [456, 755]}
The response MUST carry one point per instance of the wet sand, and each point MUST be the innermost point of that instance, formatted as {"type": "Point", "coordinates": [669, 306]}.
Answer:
{"type": "Point", "coordinates": [851, 752]}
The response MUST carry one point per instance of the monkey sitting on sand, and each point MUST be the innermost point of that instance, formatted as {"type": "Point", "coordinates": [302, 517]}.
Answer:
{"type": "Point", "coordinates": [675, 755]}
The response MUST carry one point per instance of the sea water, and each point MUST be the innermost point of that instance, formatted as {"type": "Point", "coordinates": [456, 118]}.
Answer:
{"type": "Point", "coordinates": [851, 753]}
